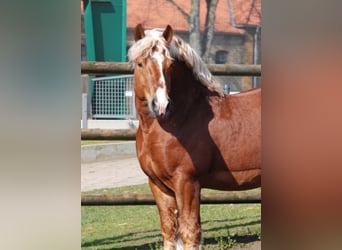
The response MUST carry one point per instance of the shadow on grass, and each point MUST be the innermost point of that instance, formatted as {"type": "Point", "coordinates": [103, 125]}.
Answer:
{"type": "Point", "coordinates": [230, 226]}
{"type": "Point", "coordinates": [237, 220]}
{"type": "Point", "coordinates": [239, 239]}
{"type": "Point", "coordinates": [226, 226]}
{"type": "Point", "coordinates": [132, 238]}
{"type": "Point", "coordinates": [146, 246]}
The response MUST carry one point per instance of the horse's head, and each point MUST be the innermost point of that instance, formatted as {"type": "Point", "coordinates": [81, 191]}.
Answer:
{"type": "Point", "coordinates": [151, 59]}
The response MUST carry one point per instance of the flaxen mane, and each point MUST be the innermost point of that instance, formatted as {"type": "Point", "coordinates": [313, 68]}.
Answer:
{"type": "Point", "coordinates": [179, 50]}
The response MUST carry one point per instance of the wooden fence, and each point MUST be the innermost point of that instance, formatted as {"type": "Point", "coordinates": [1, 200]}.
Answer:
{"type": "Point", "coordinates": [147, 199]}
{"type": "Point", "coordinates": [108, 134]}
{"type": "Point", "coordinates": [103, 68]}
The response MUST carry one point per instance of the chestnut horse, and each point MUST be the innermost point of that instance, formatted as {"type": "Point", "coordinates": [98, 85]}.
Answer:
{"type": "Point", "coordinates": [191, 135]}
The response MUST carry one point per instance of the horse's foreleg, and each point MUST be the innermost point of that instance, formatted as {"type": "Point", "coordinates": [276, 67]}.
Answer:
{"type": "Point", "coordinates": [167, 213]}
{"type": "Point", "coordinates": [188, 201]}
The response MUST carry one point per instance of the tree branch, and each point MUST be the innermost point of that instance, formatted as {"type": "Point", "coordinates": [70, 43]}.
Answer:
{"type": "Point", "coordinates": [209, 29]}
{"type": "Point", "coordinates": [185, 15]}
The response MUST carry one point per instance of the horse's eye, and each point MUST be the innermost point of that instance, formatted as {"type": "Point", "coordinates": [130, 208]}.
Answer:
{"type": "Point", "coordinates": [139, 64]}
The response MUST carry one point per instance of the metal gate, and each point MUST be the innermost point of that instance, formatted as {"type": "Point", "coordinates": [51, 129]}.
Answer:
{"type": "Point", "coordinates": [113, 97]}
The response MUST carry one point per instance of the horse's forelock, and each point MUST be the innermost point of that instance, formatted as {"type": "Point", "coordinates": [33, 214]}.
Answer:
{"type": "Point", "coordinates": [144, 46]}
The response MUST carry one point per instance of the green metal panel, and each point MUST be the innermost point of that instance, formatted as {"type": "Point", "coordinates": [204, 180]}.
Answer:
{"type": "Point", "coordinates": [105, 27]}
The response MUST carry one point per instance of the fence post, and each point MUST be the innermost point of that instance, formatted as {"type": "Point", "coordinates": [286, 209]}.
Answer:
{"type": "Point", "coordinates": [84, 110]}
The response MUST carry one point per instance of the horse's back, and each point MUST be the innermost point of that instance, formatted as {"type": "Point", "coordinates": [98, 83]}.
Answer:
{"type": "Point", "coordinates": [244, 106]}
{"type": "Point", "coordinates": [249, 97]}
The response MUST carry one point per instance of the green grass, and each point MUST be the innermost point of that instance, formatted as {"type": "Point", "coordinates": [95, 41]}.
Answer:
{"type": "Point", "coordinates": [137, 227]}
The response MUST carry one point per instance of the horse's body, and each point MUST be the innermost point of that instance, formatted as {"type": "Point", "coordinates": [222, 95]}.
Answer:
{"type": "Point", "coordinates": [190, 134]}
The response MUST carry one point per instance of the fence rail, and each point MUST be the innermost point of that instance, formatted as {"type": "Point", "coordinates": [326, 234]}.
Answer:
{"type": "Point", "coordinates": [103, 68]}
{"type": "Point", "coordinates": [108, 134]}
{"type": "Point", "coordinates": [147, 199]}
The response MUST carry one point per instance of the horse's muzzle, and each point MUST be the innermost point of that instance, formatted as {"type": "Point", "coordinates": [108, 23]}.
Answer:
{"type": "Point", "coordinates": [160, 109]}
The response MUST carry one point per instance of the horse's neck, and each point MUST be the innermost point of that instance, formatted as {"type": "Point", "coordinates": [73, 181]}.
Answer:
{"type": "Point", "coordinates": [145, 119]}
{"type": "Point", "coordinates": [185, 89]}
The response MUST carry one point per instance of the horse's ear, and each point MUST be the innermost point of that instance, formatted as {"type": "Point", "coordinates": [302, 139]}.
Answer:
{"type": "Point", "coordinates": [168, 34]}
{"type": "Point", "coordinates": [139, 32]}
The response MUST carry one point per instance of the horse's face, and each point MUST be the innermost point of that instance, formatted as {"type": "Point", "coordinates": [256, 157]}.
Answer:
{"type": "Point", "coordinates": [151, 76]}
{"type": "Point", "coordinates": [151, 81]}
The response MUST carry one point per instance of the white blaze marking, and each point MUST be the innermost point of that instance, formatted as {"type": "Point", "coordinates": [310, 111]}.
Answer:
{"type": "Point", "coordinates": [161, 95]}
{"type": "Point", "coordinates": [161, 100]}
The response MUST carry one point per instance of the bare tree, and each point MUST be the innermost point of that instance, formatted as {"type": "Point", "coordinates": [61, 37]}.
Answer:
{"type": "Point", "coordinates": [201, 45]}
{"type": "Point", "coordinates": [194, 26]}
{"type": "Point", "coordinates": [209, 29]}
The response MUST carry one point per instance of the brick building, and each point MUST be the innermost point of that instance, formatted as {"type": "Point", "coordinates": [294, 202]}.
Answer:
{"type": "Point", "coordinates": [237, 30]}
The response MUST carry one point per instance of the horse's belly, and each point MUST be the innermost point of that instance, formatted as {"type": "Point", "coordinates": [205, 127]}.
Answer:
{"type": "Point", "coordinates": [237, 180]}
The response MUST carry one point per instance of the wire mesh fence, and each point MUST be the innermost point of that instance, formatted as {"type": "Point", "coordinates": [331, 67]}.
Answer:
{"type": "Point", "coordinates": [113, 97]}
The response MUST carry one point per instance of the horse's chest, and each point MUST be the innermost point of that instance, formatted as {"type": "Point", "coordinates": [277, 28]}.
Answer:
{"type": "Point", "coordinates": [165, 158]}
{"type": "Point", "coordinates": [157, 159]}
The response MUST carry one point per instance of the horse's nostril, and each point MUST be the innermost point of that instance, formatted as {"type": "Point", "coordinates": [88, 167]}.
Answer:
{"type": "Point", "coordinates": [169, 106]}
{"type": "Point", "coordinates": [154, 108]}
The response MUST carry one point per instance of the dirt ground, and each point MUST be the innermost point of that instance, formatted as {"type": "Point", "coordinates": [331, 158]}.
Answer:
{"type": "Point", "coordinates": [122, 171]}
